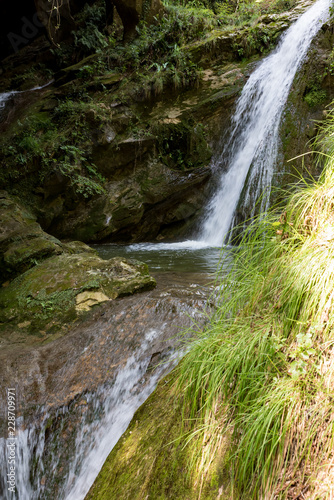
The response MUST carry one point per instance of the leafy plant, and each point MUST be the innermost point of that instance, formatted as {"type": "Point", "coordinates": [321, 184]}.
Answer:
{"type": "Point", "coordinates": [40, 139]}
{"type": "Point", "coordinates": [315, 97]}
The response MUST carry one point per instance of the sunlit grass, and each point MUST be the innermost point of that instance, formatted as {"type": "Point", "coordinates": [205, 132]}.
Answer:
{"type": "Point", "coordinates": [262, 372]}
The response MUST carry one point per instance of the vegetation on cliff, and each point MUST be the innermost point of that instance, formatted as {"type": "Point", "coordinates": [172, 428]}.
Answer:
{"type": "Point", "coordinates": [92, 155]}
{"type": "Point", "coordinates": [97, 68]}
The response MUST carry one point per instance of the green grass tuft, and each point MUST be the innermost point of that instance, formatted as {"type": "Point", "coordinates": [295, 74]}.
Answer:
{"type": "Point", "coordinates": [262, 373]}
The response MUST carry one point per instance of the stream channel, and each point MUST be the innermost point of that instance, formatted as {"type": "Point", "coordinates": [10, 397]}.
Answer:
{"type": "Point", "coordinates": [78, 394]}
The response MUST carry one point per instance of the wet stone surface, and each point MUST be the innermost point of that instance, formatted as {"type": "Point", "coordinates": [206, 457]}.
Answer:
{"type": "Point", "coordinates": [89, 354]}
{"type": "Point", "coordinates": [66, 385]}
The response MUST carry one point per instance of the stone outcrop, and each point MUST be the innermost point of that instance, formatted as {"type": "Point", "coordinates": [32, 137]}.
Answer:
{"type": "Point", "coordinates": [54, 282]}
{"type": "Point", "coordinates": [22, 240]}
{"type": "Point", "coordinates": [60, 288]}
{"type": "Point", "coordinates": [153, 155]}
{"type": "Point", "coordinates": [61, 384]}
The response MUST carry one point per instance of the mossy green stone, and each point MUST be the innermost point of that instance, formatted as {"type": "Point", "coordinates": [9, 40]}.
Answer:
{"type": "Point", "coordinates": [47, 292]}
{"type": "Point", "coordinates": [151, 460]}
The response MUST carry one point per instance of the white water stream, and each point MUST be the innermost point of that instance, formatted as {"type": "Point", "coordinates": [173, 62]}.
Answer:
{"type": "Point", "coordinates": [5, 96]}
{"type": "Point", "coordinates": [96, 439]}
{"type": "Point", "coordinates": [112, 408]}
{"type": "Point", "coordinates": [251, 152]}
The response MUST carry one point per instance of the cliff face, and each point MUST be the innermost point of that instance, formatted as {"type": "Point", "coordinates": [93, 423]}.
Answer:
{"type": "Point", "coordinates": [126, 157]}
{"type": "Point", "coordinates": [125, 163]}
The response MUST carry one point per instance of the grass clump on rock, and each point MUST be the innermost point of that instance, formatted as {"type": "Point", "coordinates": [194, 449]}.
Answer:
{"type": "Point", "coordinates": [262, 372]}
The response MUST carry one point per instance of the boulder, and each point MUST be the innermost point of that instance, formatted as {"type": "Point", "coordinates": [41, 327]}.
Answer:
{"type": "Point", "coordinates": [22, 241]}
{"type": "Point", "coordinates": [61, 288]}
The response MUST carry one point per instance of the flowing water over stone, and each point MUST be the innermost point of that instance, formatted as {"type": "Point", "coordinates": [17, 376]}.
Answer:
{"type": "Point", "coordinates": [7, 99]}
{"type": "Point", "coordinates": [251, 152]}
{"type": "Point", "coordinates": [77, 394]}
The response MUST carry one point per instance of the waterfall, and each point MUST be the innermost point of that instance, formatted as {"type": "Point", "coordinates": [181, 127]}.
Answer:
{"type": "Point", "coordinates": [251, 152]}
{"type": "Point", "coordinates": [5, 96]}
{"type": "Point", "coordinates": [97, 438]}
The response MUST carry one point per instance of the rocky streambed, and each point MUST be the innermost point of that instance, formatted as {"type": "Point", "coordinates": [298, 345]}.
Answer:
{"type": "Point", "coordinates": [80, 350]}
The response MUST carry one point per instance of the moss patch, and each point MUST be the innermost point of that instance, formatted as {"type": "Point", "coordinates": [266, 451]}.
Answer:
{"type": "Point", "coordinates": [183, 146]}
{"type": "Point", "coordinates": [151, 461]}
{"type": "Point", "coordinates": [46, 294]}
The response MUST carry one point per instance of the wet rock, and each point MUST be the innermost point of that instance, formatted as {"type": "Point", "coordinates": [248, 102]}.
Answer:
{"type": "Point", "coordinates": [137, 205]}
{"type": "Point", "coordinates": [55, 379]}
{"type": "Point", "coordinates": [110, 158]}
{"type": "Point", "coordinates": [71, 72]}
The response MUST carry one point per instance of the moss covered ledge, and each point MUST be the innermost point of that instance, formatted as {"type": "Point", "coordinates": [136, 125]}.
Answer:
{"type": "Point", "coordinates": [63, 288]}
{"type": "Point", "coordinates": [151, 462]}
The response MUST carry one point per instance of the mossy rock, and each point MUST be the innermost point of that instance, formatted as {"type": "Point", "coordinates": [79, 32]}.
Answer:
{"type": "Point", "coordinates": [22, 241]}
{"type": "Point", "coordinates": [62, 287]}
{"type": "Point", "coordinates": [151, 460]}
{"type": "Point", "coordinates": [71, 72]}
{"type": "Point", "coordinates": [78, 247]}
{"type": "Point", "coordinates": [182, 146]}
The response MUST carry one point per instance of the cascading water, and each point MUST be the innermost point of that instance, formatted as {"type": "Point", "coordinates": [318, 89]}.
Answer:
{"type": "Point", "coordinates": [113, 408]}
{"type": "Point", "coordinates": [252, 149]}
{"type": "Point", "coordinates": [5, 97]}
{"type": "Point", "coordinates": [108, 367]}
{"type": "Point", "coordinates": [96, 439]}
